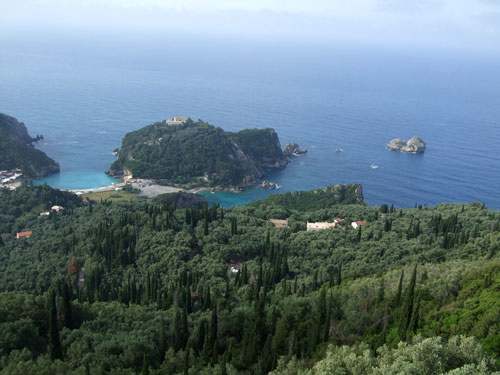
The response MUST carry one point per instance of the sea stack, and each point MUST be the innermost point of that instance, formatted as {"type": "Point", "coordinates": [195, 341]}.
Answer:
{"type": "Point", "coordinates": [414, 145]}
{"type": "Point", "coordinates": [293, 148]}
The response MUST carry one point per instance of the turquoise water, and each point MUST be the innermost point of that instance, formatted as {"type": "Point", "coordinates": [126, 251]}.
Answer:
{"type": "Point", "coordinates": [85, 94]}
{"type": "Point", "coordinates": [76, 180]}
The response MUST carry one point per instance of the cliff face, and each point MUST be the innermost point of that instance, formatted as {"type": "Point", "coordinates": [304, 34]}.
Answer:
{"type": "Point", "coordinates": [17, 151]}
{"type": "Point", "coordinates": [197, 153]}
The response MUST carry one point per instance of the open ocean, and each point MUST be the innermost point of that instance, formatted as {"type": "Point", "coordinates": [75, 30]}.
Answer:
{"type": "Point", "coordinates": [84, 95]}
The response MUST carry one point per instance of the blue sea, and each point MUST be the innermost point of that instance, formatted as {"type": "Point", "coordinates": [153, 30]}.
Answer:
{"type": "Point", "coordinates": [84, 93]}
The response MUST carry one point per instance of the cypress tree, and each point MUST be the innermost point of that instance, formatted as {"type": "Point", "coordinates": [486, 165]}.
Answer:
{"type": "Point", "coordinates": [186, 361]}
{"type": "Point", "coordinates": [145, 365]}
{"type": "Point", "coordinates": [213, 328]}
{"type": "Point", "coordinates": [205, 227]}
{"type": "Point", "coordinates": [397, 299]}
{"type": "Point", "coordinates": [339, 274]}
{"type": "Point", "coordinates": [381, 291]}
{"type": "Point", "coordinates": [1, 242]}
{"type": "Point", "coordinates": [162, 348]}
{"type": "Point", "coordinates": [201, 335]}
{"type": "Point", "coordinates": [55, 351]}
{"type": "Point", "coordinates": [223, 370]}
{"type": "Point", "coordinates": [407, 309]}
{"type": "Point", "coordinates": [67, 311]}
{"type": "Point", "coordinates": [415, 316]}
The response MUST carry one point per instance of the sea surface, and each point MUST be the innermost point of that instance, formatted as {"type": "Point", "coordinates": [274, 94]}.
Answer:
{"type": "Point", "coordinates": [85, 93]}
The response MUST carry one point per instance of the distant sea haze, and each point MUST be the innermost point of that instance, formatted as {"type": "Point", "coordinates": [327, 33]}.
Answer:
{"type": "Point", "coordinates": [85, 98]}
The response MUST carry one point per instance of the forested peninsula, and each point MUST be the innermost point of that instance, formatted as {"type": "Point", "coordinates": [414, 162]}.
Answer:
{"type": "Point", "coordinates": [198, 154]}
{"type": "Point", "coordinates": [17, 150]}
{"type": "Point", "coordinates": [148, 287]}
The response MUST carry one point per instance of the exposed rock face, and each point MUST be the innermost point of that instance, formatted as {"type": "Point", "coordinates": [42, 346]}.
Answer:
{"type": "Point", "coordinates": [416, 144]}
{"type": "Point", "coordinates": [293, 148]}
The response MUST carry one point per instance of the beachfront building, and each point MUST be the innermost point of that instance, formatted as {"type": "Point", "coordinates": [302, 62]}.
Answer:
{"type": "Point", "coordinates": [357, 224]}
{"type": "Point", "coordinates": [176, 120]}
{"type": "Point", "coordinates": [279, 223]}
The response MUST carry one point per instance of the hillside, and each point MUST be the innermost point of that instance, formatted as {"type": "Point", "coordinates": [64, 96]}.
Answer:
{"type": "Point", "coordinates": [199, 154]}
{"type": "Point", "coordinates": [413, 291]}
{"type": "Point", "coordinates": [17, 151]}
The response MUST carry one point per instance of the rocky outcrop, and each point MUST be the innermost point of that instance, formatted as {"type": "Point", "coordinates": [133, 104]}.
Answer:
{"type": "Point", "coordinates": [268, 185]}
{"type": "Point", "coordinates": [293, 149]}
{"type": "Point", "coordinates": [414, 145]}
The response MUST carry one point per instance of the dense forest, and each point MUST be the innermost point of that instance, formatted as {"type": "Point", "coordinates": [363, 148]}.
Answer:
{"type": "Point", "coordinates": [147, 287]}
{"type": "Point", "coordinates": [198, 154]}
{"type": "Point", "coordinates": [17, 151]}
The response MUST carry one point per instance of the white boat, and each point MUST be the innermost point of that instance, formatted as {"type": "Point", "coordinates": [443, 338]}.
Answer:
{"type": "Point", "coordinates": [339, 150]}
{"type": "Point", "coordinates": [374, 166]}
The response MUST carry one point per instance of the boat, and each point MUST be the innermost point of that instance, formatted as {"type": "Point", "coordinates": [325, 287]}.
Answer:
{"type": "Point", "coordinates": [374, 166]}
{"type": "Point", "coordinates": [339, 150]}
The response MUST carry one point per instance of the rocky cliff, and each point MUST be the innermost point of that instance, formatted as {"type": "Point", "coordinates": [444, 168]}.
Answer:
{"type": "Point", "coordinates": [17, 150]}
{"type": "Point", "coordinates": [415, 144]}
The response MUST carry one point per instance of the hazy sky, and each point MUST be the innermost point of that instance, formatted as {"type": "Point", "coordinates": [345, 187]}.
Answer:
{"type": "Point", "coordinates": [439, 23]}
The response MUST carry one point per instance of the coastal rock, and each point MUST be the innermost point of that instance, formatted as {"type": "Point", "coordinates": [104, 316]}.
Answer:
{"type": "Point", "coordinates": [268, 185]}
{"type": "Point", "coordinates": [293, 148]}
{"type": "Point", "coordinates": [415, 144]}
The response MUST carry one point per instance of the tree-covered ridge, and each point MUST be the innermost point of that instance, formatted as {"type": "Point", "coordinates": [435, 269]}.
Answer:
{"type": "Point", "coordinates": [16, 150]}
{"type": "Point", "coordinates": [198, 153]}
{"type": "Point", "coordinates": [160, 296]}
{"type": "Point", "coordinates": [306, 201]}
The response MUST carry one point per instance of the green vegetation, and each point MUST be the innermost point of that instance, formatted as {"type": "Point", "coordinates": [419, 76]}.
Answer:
{"type": "Point", "coordinates": [413, 291]}
{"type": "Point", "coordinates": [196, 153]}
{"type": "Point", "coordinates": [114, 196]}
{"type": "Point", "coordinates": [16, 150]}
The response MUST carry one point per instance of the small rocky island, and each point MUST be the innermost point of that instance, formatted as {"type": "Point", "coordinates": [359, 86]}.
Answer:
{"type": "Point", "coordinates": [414, 145]}
{"type": "Point", "coordinates": [293, 149]}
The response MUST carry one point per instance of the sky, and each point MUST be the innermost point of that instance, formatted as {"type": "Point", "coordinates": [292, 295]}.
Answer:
{"type": "Point", "coordinates": [462, 24]}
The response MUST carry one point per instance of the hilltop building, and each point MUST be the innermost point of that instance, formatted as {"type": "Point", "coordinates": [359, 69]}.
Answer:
{"type": "Point", "coordinates": [176, 120]}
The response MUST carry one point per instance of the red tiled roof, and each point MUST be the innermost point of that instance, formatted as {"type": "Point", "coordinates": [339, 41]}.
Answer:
{"type": "Point", "coordinates": [23, 234]}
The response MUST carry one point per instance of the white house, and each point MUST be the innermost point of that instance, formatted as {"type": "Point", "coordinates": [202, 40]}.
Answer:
{"type": "Point", "coordinates": [320, 226]}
